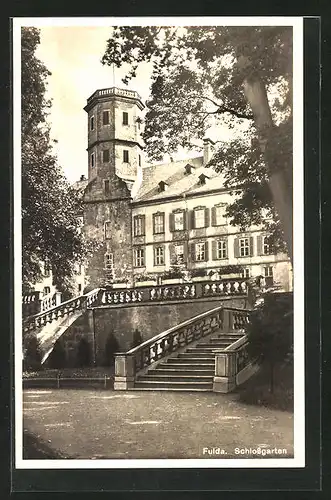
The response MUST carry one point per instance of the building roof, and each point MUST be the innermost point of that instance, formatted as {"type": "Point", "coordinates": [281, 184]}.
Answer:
{"type": "Point", "coordinates": [178, 180]}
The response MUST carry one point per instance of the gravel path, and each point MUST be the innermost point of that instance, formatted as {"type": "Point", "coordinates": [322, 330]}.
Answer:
{"type": "Point", "coordinates": [96, 424]}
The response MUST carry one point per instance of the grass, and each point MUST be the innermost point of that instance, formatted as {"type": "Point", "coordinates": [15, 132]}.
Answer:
{"type": "Point", "coordinates": [256, 391]}
{"type": "Point", "coordinates": [87, 372]}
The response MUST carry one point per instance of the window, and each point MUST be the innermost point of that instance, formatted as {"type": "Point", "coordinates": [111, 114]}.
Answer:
{"type": "Point", "coordinates": [179, 221]}
{"type": "Point", "coordinates": [163, 186]}
{"type": "Point", "coordinates": [244, 247]}
{"type": "Point", "coordinates": [105, 155]}
{"type": "Point", "coordinates": [139, 225]}
{"type": "Point", "coordinates": [219, 216]}
{"type": "Point", "coordinates": [107, 230]}
{"type": "Point", "coordinates": [199, 218]}
{"type": "Point", "coordinates": [200, 252]}
{"type": "Point", "coordinates": [139, 161]}
{"type": "Point", "coordinates": [125, 118]}
{"type": "Point", "coordinates": [221, 249]}
{"type": "Point", "coordinates": [125, 156]}
{"type": "Point", "coordinates": [268, 272]}
{"type": "Point", "coordinates": [105, 117]}
{"type": "Point", "coordinates": [139, 257]}
{"type": "Point", "coordinates": [179, 253]}
{"type": "Point", "coordinates": [158, 223]}
{"type": "Point", "coordinates": [79, 287]}
{"type": "Point", "coordinates": [246, 273]}
{"type": "Point", "coordinates": [92, 123]}
{"type": "Point", "coordinates": [92, 160]}
{"type": "Point", "coordinates": [266, 245]}
{"type": "Point", "coordinates": [109, 260]}
{"type": "Point", "coordinates": [158, 256]}
{"type": "Point", "coordinates": [47, 268]}
{"type": "Point", "coordinates": [46, 290]}
{"type": "Point", "coordinates": [106, 187]}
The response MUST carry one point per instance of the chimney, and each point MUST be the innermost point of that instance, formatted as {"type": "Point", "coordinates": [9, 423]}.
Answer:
{"type": "Point", "coordinates": [207, 150]}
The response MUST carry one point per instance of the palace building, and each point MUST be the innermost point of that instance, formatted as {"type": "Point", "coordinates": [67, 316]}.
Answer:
{"type": "Point", "coordinates": [148, 218]}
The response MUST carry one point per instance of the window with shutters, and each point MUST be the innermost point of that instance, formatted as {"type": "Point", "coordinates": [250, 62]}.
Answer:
{"type": "Point", "coordinates": [125, 118]}
{"type": "Point", "coordinates": [105, 155]}
{"type": "Point", "coordinates": [158, 256]}
{"type": "Point", "coordinates": [139, 257]}
{"type": "Point", "coordinates": [107, 230]}
{"type": "Point", "coordinates": [200, 251]}
{"type": "Point", "coordinates": [105, 117]}
{"type": "Point", "coordinates": [179, 253]}
{"type": "Point", "coordinates": [246, 273]}
{"type": "Point", "coordinates": [265, 245]}
{"type": "Point", "coordinates": [219, 216]}
{"type": "Point", "coordinates": [179, 221]}
{"type": "Point", "coordinates": [125, 156]}
{"type": "Point", "coordinates": [268, 272]}
{"type": "Point", "coordinates": [244, 247]}
{"type": "Point", "coordinates": [158, 223]}
{"type": "Point", "coordinates": [139, 225]}
{"type": "Point", "coordinates": [92, 123]}
{"type": "Point", "coordinates": [199, 218]}
{"type": "Point", "coordinates": [92, 159]}
{"type": "Point", "coordinates": [221, 249]}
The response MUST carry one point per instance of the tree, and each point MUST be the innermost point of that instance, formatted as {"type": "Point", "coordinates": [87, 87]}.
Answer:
{"type": "Point", "coordinates": [58, 357]}
{"type": "Point", "coordinates": [270, 331]}
{"type": "Point", "coordinates": [32, 353]}
{"type": "Point", "coordinates": [137, 338]}
{"type": "Point", "coordinates": [111, 347]}
{"type": "Point", "coordinates": [84, 354]}
{"type": "Point", "coordinates": [239, 76]}
{"type": "Point", "coordinates": [50, 206]}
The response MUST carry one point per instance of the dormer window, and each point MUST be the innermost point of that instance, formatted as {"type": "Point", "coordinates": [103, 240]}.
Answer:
{"type": "Point", "coordinates": [163, 186]}
{"type": "Point", "coordinates": [202, 179]}
{"type": "Point", "coordinates": [188, 169]}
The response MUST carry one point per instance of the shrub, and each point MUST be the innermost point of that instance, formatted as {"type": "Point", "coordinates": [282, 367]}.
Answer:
{"type": "Point", "coordinates": [172, 274]}
{"type": "Point", "coordinates": [230, 269]}
{"type": "Point", "coordinates": [197, 273]}
{"type": "Point", "coordinates": [144, 277]}
{"type": "Point", "coordinates": [111, 347]}
{"type": "Point", "coordinates": [270, 331]}
{"type": "Point", "coordinates": [137, 338]}
{"type": "Point", "coordinates": [32, 354]}
{"type": "Point", "coordinates": [84, 353]}
{"type": "Point", "coordinates": [57, 358]}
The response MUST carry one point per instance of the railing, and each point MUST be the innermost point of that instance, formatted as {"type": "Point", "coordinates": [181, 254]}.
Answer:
{"type": "Point", "coordinates": [78, 303]}
{"type": "Point", "coordinates": [35, 302]}
{"type": "Point", "coordinates": [180, 291]}
{"type": "Point", "coordinates": [128, 364]}
{"type": "Point", "coordinates": [114, 91]}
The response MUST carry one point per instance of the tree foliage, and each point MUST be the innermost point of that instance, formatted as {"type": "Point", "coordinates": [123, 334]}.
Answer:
{"type": "Point", "coordinates": [50, 206]}
{"type": "Point", "coordinates": [205, 77]}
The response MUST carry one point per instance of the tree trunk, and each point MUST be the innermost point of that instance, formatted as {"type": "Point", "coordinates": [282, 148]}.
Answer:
{"type": "Point", "coordinates": [281, 189]}
{"type": "Point", "coordinates": [272, 377]}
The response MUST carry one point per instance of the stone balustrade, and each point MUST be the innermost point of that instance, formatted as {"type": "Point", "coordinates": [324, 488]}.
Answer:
{"type": "Point", "coordinates": [34, 302]}
{"type": "Point", "coordinates": [129, 364]}
{"type": "Point", "coordinates": [48, 316]}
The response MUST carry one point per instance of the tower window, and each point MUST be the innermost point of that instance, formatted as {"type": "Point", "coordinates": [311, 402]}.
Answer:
{"type": "Point", "coordinates": [139, 161]}
{"type": "Point", "coordinates": [125, 118]}
{"type": "Point", "coordinates": [125, 156]}
{"type": "Point", "coordinates": [106, 187]}
{"type": "Point", "coordinates": [108, 230]}
{"type": "Point", "coordinates": [105, 155]}
{"type": "Point", "coordinates": [92, 123]}
{"type": "Point", "coordinates": [105, 117]}
{"type": "Point", "coordinates": [92, 160]}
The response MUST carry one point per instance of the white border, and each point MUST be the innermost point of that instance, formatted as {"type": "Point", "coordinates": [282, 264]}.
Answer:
{"type": "Point", "coordinates": [298, 245]}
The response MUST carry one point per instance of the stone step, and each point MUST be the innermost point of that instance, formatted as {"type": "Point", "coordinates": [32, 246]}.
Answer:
{"type": "Point", "coordinates": [210, 347]}
{"type": "Point", "coordinates": [224, 338]}
{"type": "Point", "coordinates": [196, 354]}
{"type": "Point", "coordinates": [171, 389]}
{"type": "Point", "coordinates": [210, 361]}
{"type": "Point", "coordinates": [156, 384]}
{"type": "Point", "coordinates": [170, 377]}
{"type": "Point", "coordinates": [185, 370]}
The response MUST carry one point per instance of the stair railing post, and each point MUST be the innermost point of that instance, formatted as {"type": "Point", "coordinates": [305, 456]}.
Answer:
{"type": "Point", "coordinates": [225, 371]}
{"type": "Point", "coordinates": [228, 320]}
{"type": "Point", "coordinates": [124, 372]}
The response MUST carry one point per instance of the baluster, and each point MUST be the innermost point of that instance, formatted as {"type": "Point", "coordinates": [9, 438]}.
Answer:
{"type": "Point", "coordinates": [236, 286]}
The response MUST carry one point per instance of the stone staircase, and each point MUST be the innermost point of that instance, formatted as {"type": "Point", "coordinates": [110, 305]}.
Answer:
{"type": "Point", "coordinates": [192, 369]}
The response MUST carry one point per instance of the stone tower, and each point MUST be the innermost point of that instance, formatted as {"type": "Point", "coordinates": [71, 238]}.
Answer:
{"type": "Point", "coordinates": [115, 158]}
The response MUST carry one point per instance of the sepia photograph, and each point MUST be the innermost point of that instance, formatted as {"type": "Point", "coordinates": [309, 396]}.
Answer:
{"type": "Point", "coordinates": [158, 242]}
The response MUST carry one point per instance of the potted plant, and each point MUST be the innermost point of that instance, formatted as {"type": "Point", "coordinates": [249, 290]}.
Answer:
{"type": "Point", "coordinates": [231, 271]}
{"type": "Point", "coordinates": [145, 280]}
{"type": "Point", "coordinates": [199, 275]}
{"type": "Point", "coordinates": [172, 276]}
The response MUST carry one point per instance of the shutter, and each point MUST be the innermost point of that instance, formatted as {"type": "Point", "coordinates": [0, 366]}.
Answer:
{"type": "Point", "coordinates": [251, 246]}
{"type": "Point", "coordinates": [154, 255]}
{"type": "Point", "coordinates": [236, 247]}
{"type": "Point", "coordinates": [172, 253]}
{"type": "Point", "coordinates": [143, 225]}
{"type": "Point", "coordinates": [214, 250]}
{"type": "Point", "coordinates": [213, 216]}
{"type": "Point", "coordinates": [227, 248]}
{"type": "Point", "coordinates": [171, 222]}
{"type": "Point", "coordinates": [185, 245]}
{"type": "Point", "coordinates": [192, 252]}
{"type": "Point", "coordinates": [206, 217]}
{"type": "Point", "coordinates": [259, 245]}
{"type": "Point", "coordinates": [192, 220]}
{"type": "Point", "coordinates": [154, 223]}
{"type": "Point", "coordinates": [206, 251]}
{"type": "Point", "coordinates": [184, 220]}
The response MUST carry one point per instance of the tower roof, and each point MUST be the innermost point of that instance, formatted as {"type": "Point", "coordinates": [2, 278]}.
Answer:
{"type": "Point", "coordinates": [113, 93]}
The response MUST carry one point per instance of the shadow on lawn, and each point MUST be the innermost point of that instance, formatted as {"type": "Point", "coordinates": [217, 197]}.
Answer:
{"type": "Point", "coordinates": [35, 449]}
{"type": "Point", "coordinates": [256, 391]}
